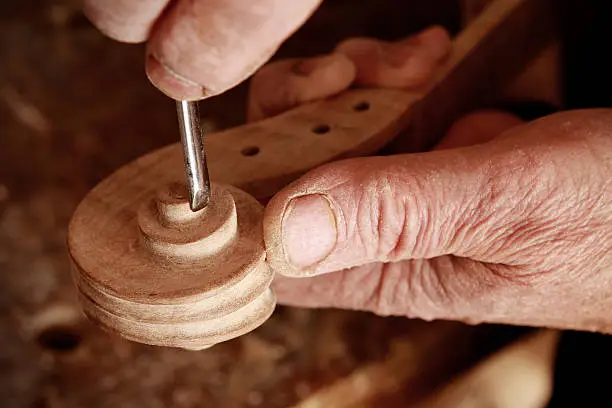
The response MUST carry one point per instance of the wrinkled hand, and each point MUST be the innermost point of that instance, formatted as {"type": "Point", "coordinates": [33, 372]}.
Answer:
{"type": "Point", "coordinates": [505, 222]}
{"type": "Point", "coordinates": [200, 48]}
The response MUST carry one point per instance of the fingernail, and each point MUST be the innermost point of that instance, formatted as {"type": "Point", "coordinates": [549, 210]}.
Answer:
{"type": "Point", "coordinates": [309, 230]}
{"type": "Point", "coordinates": [171, 83]}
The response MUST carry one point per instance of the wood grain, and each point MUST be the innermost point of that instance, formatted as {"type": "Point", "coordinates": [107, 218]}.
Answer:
{"type": "Point", "coordinates": [163, 275]}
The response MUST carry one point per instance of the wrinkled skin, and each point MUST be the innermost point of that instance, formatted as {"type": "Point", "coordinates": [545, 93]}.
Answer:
{"type": "Point", "coordinates": [516, 230]}
{"type": "Point", "coordinates": [505, 222]}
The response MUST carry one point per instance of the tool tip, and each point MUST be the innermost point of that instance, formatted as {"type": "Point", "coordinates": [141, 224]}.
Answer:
{"type": "Point", "coordinates": [198, 200]}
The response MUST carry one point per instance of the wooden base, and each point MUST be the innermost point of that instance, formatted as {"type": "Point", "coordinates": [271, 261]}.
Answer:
{"type": "Point", "coordinates": [149, 269]}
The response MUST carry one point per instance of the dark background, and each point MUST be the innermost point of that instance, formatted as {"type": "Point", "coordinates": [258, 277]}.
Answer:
{"type": "Point", "coordinates": [585, 359]}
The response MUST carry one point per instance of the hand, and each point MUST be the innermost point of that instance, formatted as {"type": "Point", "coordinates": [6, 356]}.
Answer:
{"type": "Point", "coordinates": [200, 48]}
{"type": "Point", "coordinates": [515, 230]}
{"type": "Point", "coordinates": [408, 63]}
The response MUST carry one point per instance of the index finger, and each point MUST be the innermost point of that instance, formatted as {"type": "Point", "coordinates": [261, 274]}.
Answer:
{"type": "Point", "coordinates": [201, 48]}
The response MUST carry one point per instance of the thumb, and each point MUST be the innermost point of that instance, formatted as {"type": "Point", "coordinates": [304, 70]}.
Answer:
{"type": "Point", "coordinates": [382, 209]}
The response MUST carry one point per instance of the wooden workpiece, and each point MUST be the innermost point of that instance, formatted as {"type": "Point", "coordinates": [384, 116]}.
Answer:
{"type": "Point", "coordinates": [151, 271]}
{"type": "Point", "coordinates": [157, 273]}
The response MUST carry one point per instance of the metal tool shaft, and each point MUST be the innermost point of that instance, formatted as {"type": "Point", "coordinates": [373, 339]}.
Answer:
{"type": "Point", "coordinates": [192, 140]}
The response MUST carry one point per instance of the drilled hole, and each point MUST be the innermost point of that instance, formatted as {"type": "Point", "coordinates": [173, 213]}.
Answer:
{"type": "Point", "coordinates": [321, 129]}
{"type": "Point", "coordinates": [361, 106]}
{"type": "Point", "coordinates": [59, 339]}
{"type": "Point", "coordinates": [250, 151]}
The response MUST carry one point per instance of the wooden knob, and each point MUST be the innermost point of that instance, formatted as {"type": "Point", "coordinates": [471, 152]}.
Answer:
{"type": "Point", "coordinates": [153, 271]}
{"type": "Point", "coordinates": [170, 229]}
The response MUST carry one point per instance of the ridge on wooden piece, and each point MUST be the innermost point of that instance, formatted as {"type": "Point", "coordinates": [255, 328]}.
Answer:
{"type": "Point", "coordinates": [153, 271]}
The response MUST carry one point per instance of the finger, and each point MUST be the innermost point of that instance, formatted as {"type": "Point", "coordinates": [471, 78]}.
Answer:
{"type": "Point", "coordinates": [383, 209]}
{"type": "Point", "coordinates": [203, 48]}
{"type": "Point", "coordinates": [283, 85]}
{"type": "Point", "coordinates": [525, 258]}
{"type": "Point", "coordinates": [125, 20]}
{"type": "Point", "coordinates": [417, 288]}
{"type": "Point", "coordinates": [441, 288]}
{"type": "Point", "coordinates": [408, 63]}
{"type": "Point", "coordinates": [478, 127]}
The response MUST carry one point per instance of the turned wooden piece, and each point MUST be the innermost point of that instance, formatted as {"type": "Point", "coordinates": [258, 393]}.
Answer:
{"type": "Point", "coordinates": [153, 271]}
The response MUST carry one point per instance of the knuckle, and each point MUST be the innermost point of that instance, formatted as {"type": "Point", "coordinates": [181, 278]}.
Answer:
{"type": "Point", "coordinates": [414, 289]}
{"type": "Point", "coordinates": [433, 297]}
{"type": "Point", "coordinates": [395, 218]}
{"type": "Point", "coordinates": [381, 216]}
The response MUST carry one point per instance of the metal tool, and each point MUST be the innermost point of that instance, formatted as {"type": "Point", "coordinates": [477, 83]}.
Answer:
{"type": "Point", "coordinates": [192, 139]}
